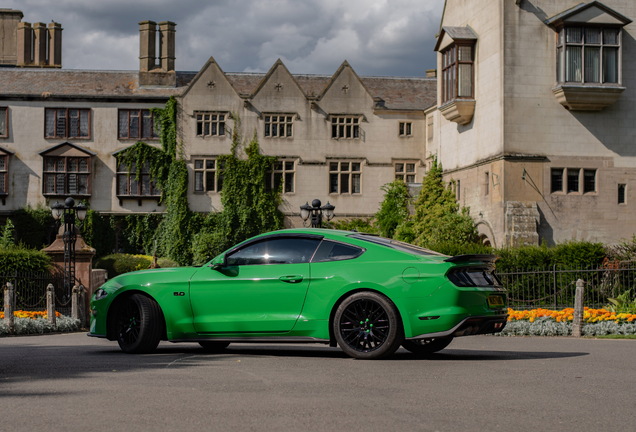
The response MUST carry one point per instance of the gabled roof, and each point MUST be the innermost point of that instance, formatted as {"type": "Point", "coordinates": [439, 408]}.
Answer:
{"type": "Point", "coordinates": [199, 74]}
{"type": "Point", "coordinates": [277, 64]}
{"type": "Point", "coordinates": [592, 12]}
{"type": "Point", "coordinates": [58, 149]}
{"type": "Point", "coordinates": [456, 33]}
{"type": "Point", "coordinates": [6, 151]}
{"type": "Point", "coordinates": [345, 64]}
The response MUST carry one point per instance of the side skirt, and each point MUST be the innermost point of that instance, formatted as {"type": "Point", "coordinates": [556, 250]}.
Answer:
{"type": "Point", "coordinates": [266, 339]}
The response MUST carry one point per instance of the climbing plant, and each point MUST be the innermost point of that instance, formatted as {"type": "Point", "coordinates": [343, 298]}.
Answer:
{"type": "Point", "coordinates": [249, 208]}
{"type": "Point", "coordinates": [182, 235]}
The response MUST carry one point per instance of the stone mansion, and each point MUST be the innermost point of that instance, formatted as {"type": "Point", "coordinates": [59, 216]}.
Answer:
{"type": "Point", "coordinates": [531, 109]}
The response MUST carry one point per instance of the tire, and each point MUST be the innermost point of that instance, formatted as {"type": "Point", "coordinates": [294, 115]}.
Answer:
{"type": "Point", "coordinates": [427, 346]}
{"type": "Point", "coordinates": [214, 347]}
{"type": "Point", "coordinates": [139, 324]}
{"type": "Point", "coordinates": [367, 325]}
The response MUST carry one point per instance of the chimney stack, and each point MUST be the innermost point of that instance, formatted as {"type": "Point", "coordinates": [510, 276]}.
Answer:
{"type": "Point", "coordinates": [39, 44]}
{"type": "Point", "coordinates": [55, 44]}
{"type": "Point", "coordinates": [147, 43]}
{"type": "Point", "coordinates": [23, 37]}
{"type": "Point", "coordinates": [151, 73]}
{"type": "Point", "coordinates": [167, 30]}
{"type": "Point", "coordinates": [9, 20]}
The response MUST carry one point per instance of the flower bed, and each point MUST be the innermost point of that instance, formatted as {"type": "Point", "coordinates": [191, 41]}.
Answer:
{"type": "Point", "coordinates": [28, 322]}
{"type": "Point", "coordinates": [545, 322]}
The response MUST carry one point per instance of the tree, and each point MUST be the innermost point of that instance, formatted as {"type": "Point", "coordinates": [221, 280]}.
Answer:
{"type": "Point", "coordinates": [438, 218]}
{"type": "Point", "coordinates": [394, 209]}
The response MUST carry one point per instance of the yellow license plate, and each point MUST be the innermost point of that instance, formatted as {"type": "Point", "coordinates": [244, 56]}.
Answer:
{"type": "Point", "coordinates": [495, 301]}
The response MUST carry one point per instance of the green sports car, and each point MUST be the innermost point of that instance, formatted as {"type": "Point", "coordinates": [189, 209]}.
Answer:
{"type": "Point", "coordinates": [364, 293]}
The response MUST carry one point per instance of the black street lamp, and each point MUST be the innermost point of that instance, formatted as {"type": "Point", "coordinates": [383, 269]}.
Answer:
{"type": "Point", "coordinates": [315, 211]}
{"type": "Point", "coordinates": [69, 210]}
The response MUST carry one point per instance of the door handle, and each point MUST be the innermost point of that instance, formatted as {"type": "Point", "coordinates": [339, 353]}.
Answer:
{"type": "Point", "coordinates": [291, 278]}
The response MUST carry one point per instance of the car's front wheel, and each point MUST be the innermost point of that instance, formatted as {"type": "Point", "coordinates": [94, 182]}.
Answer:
{"type": "Point", "coordinates": [427, 346]}
{"type": "Point", "coordinates": [139, 324]}
{"type": "Point", "coordinates": [367, 325]}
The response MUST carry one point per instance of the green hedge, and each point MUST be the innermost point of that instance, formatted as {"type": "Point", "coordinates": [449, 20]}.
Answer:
{"type": "Point", "coordinates": [117, 264]}
{"type": "Point", "coordinates": [23, 260]}
{"type": "Point", "coordinates": [572, 253]}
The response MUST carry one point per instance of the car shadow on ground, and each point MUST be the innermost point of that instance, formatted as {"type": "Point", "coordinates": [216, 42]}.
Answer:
{"type": "Point", "coordinates": [313, 351]}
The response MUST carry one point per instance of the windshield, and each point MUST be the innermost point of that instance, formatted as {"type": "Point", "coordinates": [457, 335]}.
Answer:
{"type": "Point", "coordinates": [395, 244]}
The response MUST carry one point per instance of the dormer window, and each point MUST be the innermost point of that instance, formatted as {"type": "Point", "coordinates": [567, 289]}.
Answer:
{"type": "Point", "coordinates": [588, 56]}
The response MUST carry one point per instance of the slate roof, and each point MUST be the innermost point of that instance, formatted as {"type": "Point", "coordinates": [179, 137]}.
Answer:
{"type": "Point", "coordinates": [395, 92]}
{"type": "Point", "coordinates": [82, 83]}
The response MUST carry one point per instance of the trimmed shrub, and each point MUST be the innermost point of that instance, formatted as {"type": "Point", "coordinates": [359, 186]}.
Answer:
{"type": "Point", "coordinates": [360, 225]}
{"type": "Point", "coordinates": [24, 260]}
{"type": "Point", "coordinates": [116, 264]}
{"type": "Point", "coordinates": [33, 226]}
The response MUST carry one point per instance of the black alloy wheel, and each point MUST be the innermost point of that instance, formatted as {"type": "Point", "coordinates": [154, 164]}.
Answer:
{"type": "Point", "coordinates": [367, 326]}
{"type": "Point", "coordinates": [139, 324]}
{"type": "Point", "coordinates": [427, 346]}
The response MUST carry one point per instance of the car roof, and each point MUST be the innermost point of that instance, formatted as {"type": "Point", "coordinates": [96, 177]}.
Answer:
{"type": "Point", "coordinates": [351, 238]}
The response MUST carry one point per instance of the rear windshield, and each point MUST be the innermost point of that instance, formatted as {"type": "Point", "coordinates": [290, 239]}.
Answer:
{"type": "Point", "coordinates": [395, 244]}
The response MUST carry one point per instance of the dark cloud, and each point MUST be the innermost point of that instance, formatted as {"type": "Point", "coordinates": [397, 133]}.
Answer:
{"type": "Point", "coordinates": [389, 37]}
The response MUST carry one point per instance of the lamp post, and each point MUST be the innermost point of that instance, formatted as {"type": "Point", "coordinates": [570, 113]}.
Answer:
{"type": "Point", "coordinates": [316, 211]}
{"type": "Point", "coordinates": [70, 211]}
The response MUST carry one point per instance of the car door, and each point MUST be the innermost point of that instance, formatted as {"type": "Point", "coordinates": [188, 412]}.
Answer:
{"type": "Point", "coordinates": [261, 289]}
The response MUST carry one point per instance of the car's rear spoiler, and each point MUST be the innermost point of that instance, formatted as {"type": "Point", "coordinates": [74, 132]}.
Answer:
{"type": "Point", "coordinates": [485, 258]}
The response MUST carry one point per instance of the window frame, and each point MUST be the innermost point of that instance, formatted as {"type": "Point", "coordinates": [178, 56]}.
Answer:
{"type": "Point", "coordinates": [217, 170]}
{"type": "Point", "coordinates": [140, 112]}
{"type": "Point", "coordinates": [131, 174]}
{"type": "Point", "coordinates": [405, 129]}
{"type": "Point", "coordinates": [561, 62]}
{"type": "Point", "coordinates": [216, 122]}
{"type": "Point", "coordinates": [288, 125]}
{"type": "Point", "coordinates": [4, 173]}
{"type": "Point", "coordinates": [405, 173]}
{"type": "Point", "coordinates": [6, 121]}
{"type": "Point", "coordinates": [339, 123]}
{"type": "Point", "coordinates": [350, 171]}
{"type": "Point", "coordinates": [66, 173]}
{"type": "Point", "coordinates": [271, 175]}
{"type": "Point", "coordinates": [451, 63]}
{"type": "Point", "coordinates": [624, 187]}
{"type": "Point", "coordinates": [68, 123]}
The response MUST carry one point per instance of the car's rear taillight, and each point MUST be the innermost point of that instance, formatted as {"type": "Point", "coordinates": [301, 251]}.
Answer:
{"type": "Point", "coordinates": [473, 277]}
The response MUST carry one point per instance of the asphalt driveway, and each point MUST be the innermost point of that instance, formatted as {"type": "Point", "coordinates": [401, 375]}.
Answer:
{"type": "Point", "coordinates": [72, 382]}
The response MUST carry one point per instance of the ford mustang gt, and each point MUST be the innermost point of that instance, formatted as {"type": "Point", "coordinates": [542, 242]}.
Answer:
{"type": "Point", "coordinates": [366, 294]}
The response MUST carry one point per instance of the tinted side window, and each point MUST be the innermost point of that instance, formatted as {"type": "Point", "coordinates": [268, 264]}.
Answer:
{"type": "Point", "coordinates": [275, 251]}
{"type": "Point", "coordinates": [332, 251]}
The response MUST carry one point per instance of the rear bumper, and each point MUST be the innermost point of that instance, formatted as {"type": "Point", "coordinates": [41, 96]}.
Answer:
{"type": "Point", "coordinates": [474, 325]}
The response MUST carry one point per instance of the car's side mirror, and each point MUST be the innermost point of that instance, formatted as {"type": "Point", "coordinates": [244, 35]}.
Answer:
{"type": "Point", "coordinates": [217, 266]}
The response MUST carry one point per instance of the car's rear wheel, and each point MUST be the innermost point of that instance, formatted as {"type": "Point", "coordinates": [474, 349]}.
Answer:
{"type": "Point", "coordinates": [367, 325]}
{"type": "Point", "coordinates": [210, 346]}
{"type": "Point", "coordinates": [139, 324]}
{"type": "Point", "coordinates": [427, 346]}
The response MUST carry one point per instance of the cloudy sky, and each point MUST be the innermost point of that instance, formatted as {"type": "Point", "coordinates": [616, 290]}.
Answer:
{"type": "Point", "coordinates": [377, 37]}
